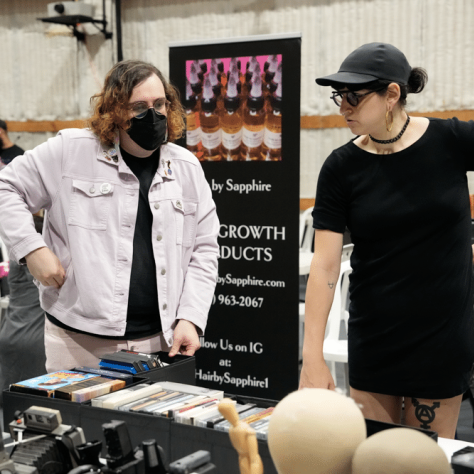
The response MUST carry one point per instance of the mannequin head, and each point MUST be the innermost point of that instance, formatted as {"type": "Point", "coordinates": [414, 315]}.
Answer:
{"type": "Point", "coordinates": [315, 431]}
{"type": "Point", "coordinates": [400, 451]}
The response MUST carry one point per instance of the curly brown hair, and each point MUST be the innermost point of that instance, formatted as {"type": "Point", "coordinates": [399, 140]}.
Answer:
{"type": "Point", "coordinates": [110, 106]}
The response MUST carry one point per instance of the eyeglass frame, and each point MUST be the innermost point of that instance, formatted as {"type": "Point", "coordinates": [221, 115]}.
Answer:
{"type": "Point", "coordinates": [166, 104]}
{"type": "Point", "coordinates": [355, 94]}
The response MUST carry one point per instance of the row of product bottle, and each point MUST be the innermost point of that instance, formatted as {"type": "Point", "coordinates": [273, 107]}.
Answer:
{"type": "Point", "coordinates": [231, 116]}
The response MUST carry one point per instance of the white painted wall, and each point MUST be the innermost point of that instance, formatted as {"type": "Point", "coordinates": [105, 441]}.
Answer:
{"type": "Point", "coordinates": [46, 75]}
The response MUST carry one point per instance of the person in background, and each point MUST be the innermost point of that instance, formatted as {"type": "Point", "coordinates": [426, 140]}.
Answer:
{"type": "Point", "coordinates": [400, 187]}
{"type": "Point", "coordinates": [128, 256]}
{"type": "Point", "coordinates": [22, 353]}
{"type": "Point", "coordinates": [8, 150]}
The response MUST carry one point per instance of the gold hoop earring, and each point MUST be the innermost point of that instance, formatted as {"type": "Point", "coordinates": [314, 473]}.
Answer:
{"type": "Point", "coordinates": [389, 125]}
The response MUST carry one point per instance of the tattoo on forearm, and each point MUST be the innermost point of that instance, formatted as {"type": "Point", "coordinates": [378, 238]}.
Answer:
{"type": "Point", "coordinates": [425, 414]}
{"type": "Point", "coordinates": [331, 284]}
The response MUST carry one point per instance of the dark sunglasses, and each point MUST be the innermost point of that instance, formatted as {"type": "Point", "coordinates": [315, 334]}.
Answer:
{"type": "Point", "coordinates": [352, 98]}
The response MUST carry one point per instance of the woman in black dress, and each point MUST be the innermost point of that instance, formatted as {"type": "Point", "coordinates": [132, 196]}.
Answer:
{"type": "Point", "coordinates": [400, 187]}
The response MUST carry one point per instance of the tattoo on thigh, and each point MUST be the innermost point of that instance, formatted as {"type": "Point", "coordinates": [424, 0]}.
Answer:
{"type": "Point", "coordinates": [331, 284]}
{"type": "Point", "coordinates": [425, 414]}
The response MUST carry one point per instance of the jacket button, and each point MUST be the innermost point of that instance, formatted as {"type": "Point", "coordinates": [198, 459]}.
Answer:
{"type": "Point", "coordinates": [105, 188]}
{"type": "Point", "coordinates": [165, 306]}
{"type": "Point", "coordinates": [159, 237]}
{"type": "Point", "coordinates": [157, 205]}
{"type": "Point", "coordinates": [92, 190]}
{"type": "Point", "coordinates": [163, 271]}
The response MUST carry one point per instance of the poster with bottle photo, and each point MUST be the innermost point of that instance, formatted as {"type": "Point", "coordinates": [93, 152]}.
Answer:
{"type": "Point", "coordinates": [246, 135]}
{"type": "Point", "coordinates": [233, 108]}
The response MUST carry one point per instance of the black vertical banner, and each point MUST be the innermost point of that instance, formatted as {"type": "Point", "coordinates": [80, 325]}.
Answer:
{"type": "Point", "coordinates": [242, 100]}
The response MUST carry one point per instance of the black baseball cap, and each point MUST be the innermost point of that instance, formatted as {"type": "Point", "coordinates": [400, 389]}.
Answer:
{"type": "Point", "coordinates": [368, 63]}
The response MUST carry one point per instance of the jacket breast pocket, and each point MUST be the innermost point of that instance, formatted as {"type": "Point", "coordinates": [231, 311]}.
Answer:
{"type": "Point", "coordinates": [90, 203]}
{"type": "Point", "coordinates": [185, 212]}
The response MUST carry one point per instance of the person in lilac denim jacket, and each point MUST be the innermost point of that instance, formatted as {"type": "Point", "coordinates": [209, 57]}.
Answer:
{"type": "Point", "coordinates": [128, 254]}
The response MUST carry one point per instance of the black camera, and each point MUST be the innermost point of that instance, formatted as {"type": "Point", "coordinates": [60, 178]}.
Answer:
{"type": "Point", "coordinates": [42, 444]}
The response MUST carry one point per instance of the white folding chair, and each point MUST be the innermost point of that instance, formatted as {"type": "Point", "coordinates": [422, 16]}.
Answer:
{"type": "Point", "coordinates": [305, 258]}
{"type": "Point", "coordinates": [347, 252]}
{"type": "Point", "coordinates": [335, 348]}
{"type": "Point", "coordinates": [306, 230]}
{"type": "Point", "coordinates": [306, 241]}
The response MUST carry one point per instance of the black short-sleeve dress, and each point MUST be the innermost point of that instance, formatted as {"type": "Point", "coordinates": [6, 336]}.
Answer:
{"type": "Point", "coordinates": [411, 328]}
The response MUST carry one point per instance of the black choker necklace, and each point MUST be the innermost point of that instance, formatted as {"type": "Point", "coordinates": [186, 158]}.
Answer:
{"type": "Point", "coordinates": [384, 142]}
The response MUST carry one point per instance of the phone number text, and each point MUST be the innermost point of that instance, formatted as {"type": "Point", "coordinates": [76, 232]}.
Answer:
{"type": "Point", "coordinates": [244, 301]}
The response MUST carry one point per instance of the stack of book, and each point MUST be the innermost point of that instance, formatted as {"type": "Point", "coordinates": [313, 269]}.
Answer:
{"type": "Point", "coordinates": [187, 404]}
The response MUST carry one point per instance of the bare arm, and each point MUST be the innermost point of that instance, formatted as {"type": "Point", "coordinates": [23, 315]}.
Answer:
{"type": "Point", "coordinates": [320, 289]}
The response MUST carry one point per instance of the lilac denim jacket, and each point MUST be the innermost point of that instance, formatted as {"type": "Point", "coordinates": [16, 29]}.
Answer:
{"type": "Point", "coordinates": [91, 200]}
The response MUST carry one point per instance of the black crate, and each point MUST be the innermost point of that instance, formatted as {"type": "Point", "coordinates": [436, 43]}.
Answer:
{"type": "Point", "coordinates": [17, 401]}
{"type": "Point", "coordinates": [181, 369]}
{"type": "Point", "coordinates": [140, 426]}
{"type": "Point", "coordinates": [176, 439]}
{"type": "Point", "coordinates": [188, 439]}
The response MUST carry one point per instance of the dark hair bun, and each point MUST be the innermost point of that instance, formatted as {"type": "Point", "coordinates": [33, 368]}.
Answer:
{"type": "Point", "coordinates": [417, 80]}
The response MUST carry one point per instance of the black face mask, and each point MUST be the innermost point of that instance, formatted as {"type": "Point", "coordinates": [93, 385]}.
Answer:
{"type": "Point", "coordinates": [150, 131]}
